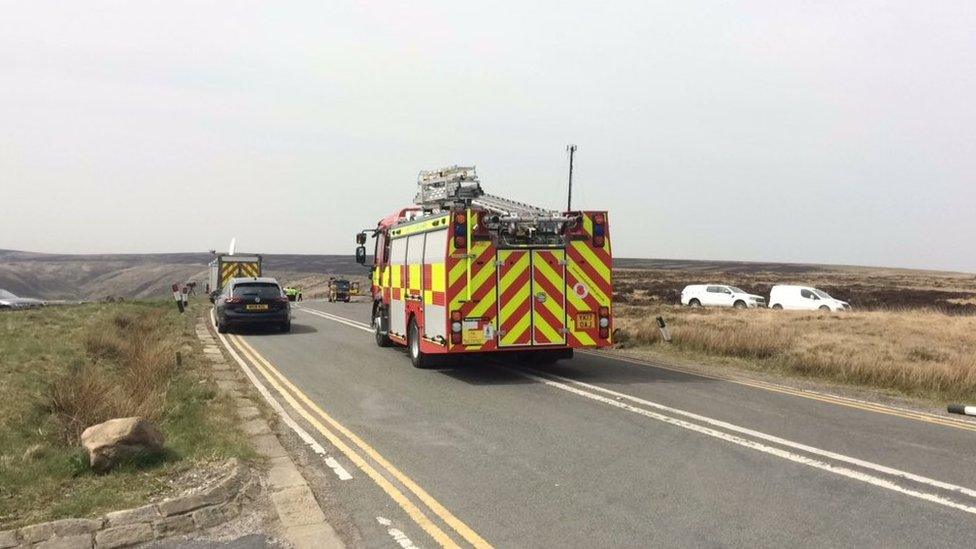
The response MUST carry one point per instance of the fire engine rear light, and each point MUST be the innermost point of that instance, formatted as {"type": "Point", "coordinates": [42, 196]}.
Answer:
{"type": "Point", "coordinates": [456, 338]}
{"type": "Point", "coordinates": [599, 219]}
{"type": "Point", "coordinates": [598, 241]}
{"type": "Point", "coordinates": [460, 242]}
{"type": "Point", "coordinates": [456, 327]}
{"type": "Point", "coordinates": [599, 230]}
{"type": "Point", "coordinates": [604, 311]}
{"type": "Point", "coordinates": [604, 322]}
{"type": "Point", "coordinates": [460, 219]}
{"type": "Point", "coordinates": [604, 333]}
{"type": "Point", "coordinates": [456, 316]}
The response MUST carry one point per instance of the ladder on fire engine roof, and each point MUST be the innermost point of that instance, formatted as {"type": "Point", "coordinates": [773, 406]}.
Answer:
{"type": "Point", "coordinates": [459, 186]}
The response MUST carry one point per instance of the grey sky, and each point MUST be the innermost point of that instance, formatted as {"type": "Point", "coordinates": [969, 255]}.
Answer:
{"type": "Point", "coordinates": [834, 132]}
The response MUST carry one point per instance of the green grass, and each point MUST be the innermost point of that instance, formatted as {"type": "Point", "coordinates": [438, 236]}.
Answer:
{"type": "Point", "coordinates": [68, 353]}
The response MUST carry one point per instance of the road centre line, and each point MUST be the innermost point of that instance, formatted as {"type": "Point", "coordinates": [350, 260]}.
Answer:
{"type": "Point", "coordinates": [760, 435]}
{"type": "Point", "coordinates": [308, 439]}
{"type": "Point", "coordinates": [811, 395]}
{"type": "Point", "coordinates": [271, 373]}
{"type": "Point", "coordinates": [796, 458]}
{"type": "Point", "coordinates": [572, 386]}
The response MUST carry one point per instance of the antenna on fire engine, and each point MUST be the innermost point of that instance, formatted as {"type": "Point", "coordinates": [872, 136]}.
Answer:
{"type": "Point", "coordinates": [569, 200]}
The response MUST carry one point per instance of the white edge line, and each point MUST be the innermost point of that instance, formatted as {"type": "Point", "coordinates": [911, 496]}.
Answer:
{"type": "Point", "coordinates": [333, 464]}
{"type": "Point", "coordinates": [796, 458]}
{"type": "Point", "coordinates": [876, 481]}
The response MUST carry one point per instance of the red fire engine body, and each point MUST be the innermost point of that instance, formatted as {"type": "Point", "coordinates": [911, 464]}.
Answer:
{"type": "Point", "coordinates": [468, 272]}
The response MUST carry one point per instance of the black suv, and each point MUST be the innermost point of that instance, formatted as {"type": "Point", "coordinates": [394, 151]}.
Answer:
{"type": "Point", "coordinates": [252, 301]}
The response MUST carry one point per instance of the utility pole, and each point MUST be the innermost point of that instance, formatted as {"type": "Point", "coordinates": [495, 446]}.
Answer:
{"type": "Point", "coordinates": [569, 201]}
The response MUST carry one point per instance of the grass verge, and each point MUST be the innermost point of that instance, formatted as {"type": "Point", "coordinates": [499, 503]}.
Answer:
{"type": "Point", "coordinates": [65, 368]}
{"type": "Point", "coordinates": [917, 353]}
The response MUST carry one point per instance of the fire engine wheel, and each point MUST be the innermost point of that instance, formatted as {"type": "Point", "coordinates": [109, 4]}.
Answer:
{"type": "Point", "coordinates": [382, 340]}
{"type": "Point", "coordinates": [417, 357]}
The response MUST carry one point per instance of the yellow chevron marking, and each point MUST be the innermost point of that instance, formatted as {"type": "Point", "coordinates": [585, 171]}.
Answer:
{"type": "Point", "coordinates": [520, 296]}
{"type": "Point", "coordinates": [516, 270]}
{"type": "Point", "coordinates": [584, 249]}
{"type": "Point", "coordinates": [456, 272]}
{"type": "Point", "coordinates": [481, 308]}
{"type": "Point", "coordinates": [583, 337]}
{"type": "Point", "coordinates": [548, 331]}
{"type": "Point", "coordinates": [516, 332]}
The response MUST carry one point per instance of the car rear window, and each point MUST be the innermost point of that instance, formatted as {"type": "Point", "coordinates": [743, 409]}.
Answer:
{"type": "Point", "coordinates": [263, 290]}
{"type": "Point", "coordinates": [343, 285]}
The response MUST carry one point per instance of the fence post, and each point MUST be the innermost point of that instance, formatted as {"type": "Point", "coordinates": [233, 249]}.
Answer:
{"type": "Point", "coordinates": [176, 296]}
{"type": "Point", "coordinates": [665, 334]}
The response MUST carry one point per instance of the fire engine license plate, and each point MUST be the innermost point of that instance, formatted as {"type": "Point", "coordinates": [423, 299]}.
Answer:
{"type": "Point", "coordinates": [585, 321]}
{"type": "Point", "coordinates": [257, 307]}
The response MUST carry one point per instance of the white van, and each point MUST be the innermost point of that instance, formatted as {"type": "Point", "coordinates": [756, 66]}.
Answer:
{"type": "Point", "coordinates": [804, 298]}
{"type": "Point", "coordinates": [719, 295]}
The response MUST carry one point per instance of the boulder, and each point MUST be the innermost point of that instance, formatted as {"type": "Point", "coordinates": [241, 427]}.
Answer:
{"type": "Point", "coordinates": [119, 439]}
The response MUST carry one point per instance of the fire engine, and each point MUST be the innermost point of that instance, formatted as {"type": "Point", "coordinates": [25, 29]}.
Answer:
{"type": "Point", "coordinates": [464, 271]}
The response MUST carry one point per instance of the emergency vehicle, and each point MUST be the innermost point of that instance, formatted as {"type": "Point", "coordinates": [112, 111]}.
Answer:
{"type": "Point", "coordinates": [224, 267]}
{"type": "Point", "coordinates": [464, 271]}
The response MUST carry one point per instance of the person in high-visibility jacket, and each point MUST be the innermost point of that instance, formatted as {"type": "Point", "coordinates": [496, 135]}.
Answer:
{"type": "Point", "coordinates": [293, 294]}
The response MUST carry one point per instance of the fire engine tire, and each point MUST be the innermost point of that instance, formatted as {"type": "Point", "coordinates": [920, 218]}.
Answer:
{"type": "Point", "coordinates": [417, 357]}
{"type": "Point", "coordinates": [740, 304]}
{"type": "Point", "coordinates": [382, 340]}
{"type": "Point", "coordinates": [694, 303]}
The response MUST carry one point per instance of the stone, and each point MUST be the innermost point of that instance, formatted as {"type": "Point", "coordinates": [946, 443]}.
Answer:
{"type": "Point", "coordinates": [8, 538]}
{"type": "Point", "coordinates": [37, 532]}
{"type": "Point", "coordinates": [73, 527]}
{"type": "Point", "coordinates": [183, 504]}
{"type": "Point", "coordinates": [146, 513]}
{"type": "Point", "coordinates": [268, 446]}
{"type": "Point", "coordinates": [313, 536]}
{"type": "Point", "coordinates": [123, 536]}
{"type": "Point", "coordinates": [284, 474]}
{"type": "Point", "coordinates": [173, 526]}
{"type": "Point", "coordinates": [255, 427]}
{"type": "Point", "coordinates": [206, 517]}
{"type": "Point", "coordinates": [116, 439]}
{"type": "Point", "coordinates": [248, 412]}
{"type": "Point", "coordinates": [79, 541]}
{"type": "Point", "coordinates": [296, 506]}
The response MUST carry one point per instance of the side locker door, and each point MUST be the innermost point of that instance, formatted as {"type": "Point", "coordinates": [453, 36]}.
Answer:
{"type": "Point", "coordinates": [549, 297]}
{"type": "Point", "coordinates": [398, 311]}
{"type": "Point", "coordinates": [514, 298]}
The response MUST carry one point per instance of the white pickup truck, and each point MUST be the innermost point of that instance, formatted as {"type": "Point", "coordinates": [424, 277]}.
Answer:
{"type": "Point", "coordinates": [719, 295]}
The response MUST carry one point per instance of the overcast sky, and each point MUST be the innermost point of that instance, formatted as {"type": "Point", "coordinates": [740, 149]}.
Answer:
{"type": "Point", "coordinates": [828, 132]}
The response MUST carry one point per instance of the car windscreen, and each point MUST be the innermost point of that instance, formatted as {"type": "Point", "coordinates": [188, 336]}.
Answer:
{"type": "Point", "coordinates": [736, 290]}
{"type": "Point", "coordinates": [822, 294]}
{"type": "Point", "coordinates": [342, 285]}
{"type": "Point", "coordinates": [264, 290]}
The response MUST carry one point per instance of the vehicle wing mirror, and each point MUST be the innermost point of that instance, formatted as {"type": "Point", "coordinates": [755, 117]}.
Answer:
{"type": "Point", "coordinates": [361, 255]}
{"type": "Point", "coordinates": [361, 238]}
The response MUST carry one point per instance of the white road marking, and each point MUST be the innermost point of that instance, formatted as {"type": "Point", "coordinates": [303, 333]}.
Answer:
{"type": "Point", "coordinates": [398, 536]}
{"type": "Point", "coordinates": [333, 464]}
{"type": "Point", "coordinates": [571, 386]}
{"type": "Point", "coordinates": [796, 458]}
{"type": "Point", "coordinates": [339, 319]}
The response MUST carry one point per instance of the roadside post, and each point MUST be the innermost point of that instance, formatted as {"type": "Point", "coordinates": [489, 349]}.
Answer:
{"type": "Point", "coordinates": [176, 296]}
{"type": "Point", "coordinates": [663, 326]}
{"type": "Point", "coordinates": [962, 409]}
{"type": "Point", "coordinates": [185, 297]}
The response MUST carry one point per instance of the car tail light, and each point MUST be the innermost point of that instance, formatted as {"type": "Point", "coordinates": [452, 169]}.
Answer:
{"type": "Point", "coordinates": [234, 300]}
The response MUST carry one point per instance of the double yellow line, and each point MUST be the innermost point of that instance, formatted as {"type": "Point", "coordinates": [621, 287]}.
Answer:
{"type": "Point", "coordinates": [841, 401]}
{"type": "Point", "coordinates": [332, 429]}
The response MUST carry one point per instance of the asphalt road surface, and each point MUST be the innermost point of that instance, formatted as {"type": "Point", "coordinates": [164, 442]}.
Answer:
{"type": "Point", "coordinates": [604, 452]}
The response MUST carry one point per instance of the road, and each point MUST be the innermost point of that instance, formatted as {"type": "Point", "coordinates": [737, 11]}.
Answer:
{"type": "Point", "coordinates": [600, 452]}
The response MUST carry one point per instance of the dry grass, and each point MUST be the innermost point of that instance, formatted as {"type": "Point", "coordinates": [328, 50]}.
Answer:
{"type": "Point", "coordinates": [916, 352]}
{"type": "Point", "coordinates": [132, 362]}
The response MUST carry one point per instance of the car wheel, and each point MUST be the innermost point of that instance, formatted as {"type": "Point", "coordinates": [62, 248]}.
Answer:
{"type": "Point", "coordinates": [740, 304]}
{"type": "Point", "coordinates": [417, 357]}
{"type": "Point", "coordinates": [778, 307]}
{"type": "Point", "coordinates": [221, 327]}
{"type": "Point", "coordinates": [286, 327]}
{"type": "Point", "coordinates": [825, 308]}
{"type": "Point", "coordinates": [382, 340]}
{"type": "Point", "coordinates": [694, 303]}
